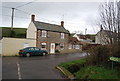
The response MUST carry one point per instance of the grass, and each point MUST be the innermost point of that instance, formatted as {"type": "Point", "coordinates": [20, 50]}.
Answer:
{"type": "Point", "coordinates": [94, 72]}
{"type": "Point", "coordinates": [71, 63]}
{"type": "Point", "coordinates": [18, 32]}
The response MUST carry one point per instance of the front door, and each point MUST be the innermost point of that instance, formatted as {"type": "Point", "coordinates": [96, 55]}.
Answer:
{"type": "Point", "coordinates": [52, 48]}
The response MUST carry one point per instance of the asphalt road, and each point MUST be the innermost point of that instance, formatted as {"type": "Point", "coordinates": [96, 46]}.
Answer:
{"type": "Point", "coordinates": [37, 67]}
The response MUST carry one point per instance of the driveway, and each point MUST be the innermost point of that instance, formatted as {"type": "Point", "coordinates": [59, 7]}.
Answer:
{"type": "Point", "coordinates": [37, 67]}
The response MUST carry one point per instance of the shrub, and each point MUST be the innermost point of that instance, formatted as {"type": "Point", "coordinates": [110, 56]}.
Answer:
{"type": "Point", "coordinates": [99, 55]}
{"type": "Point", "coordinates": [57, 51]}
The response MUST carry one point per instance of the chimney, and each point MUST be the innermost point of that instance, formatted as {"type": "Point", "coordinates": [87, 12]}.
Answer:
{"type": "Point", "coordinates": [62, 23]}
{"type": "Point", "coordinates": [101, 27]}
{"type": "Point", "coordinates": [32, 17]}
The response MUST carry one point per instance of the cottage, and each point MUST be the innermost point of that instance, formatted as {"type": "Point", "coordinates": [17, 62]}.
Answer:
{"type": "Point", "coordinates": [49, 37]}
{"type": "Point", "coordinates": [105, 37]}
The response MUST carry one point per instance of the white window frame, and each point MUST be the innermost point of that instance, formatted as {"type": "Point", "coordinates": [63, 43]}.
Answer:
{"type": "Point", "coordinates": [70, 46]}
{"type": "Point", "coordinates": [43, 44]}
{"type": "Point", "coordinates": [62, 44]}
{"type": "Point", "coordinates": [77, 46]}
{"type": "Point", "coordinates": [44, 32]}
{"type": "Point", "coordinates": [62, 35]}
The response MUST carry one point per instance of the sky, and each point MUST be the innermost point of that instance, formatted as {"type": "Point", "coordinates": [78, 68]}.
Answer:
{"type": "Point", "coordinates": [77, 16]}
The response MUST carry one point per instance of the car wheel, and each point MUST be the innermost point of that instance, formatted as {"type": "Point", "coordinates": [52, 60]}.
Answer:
{"type": "Point", "coordinates": [27, 55]}
{"type": "Point", "coordinates": [44, 54]}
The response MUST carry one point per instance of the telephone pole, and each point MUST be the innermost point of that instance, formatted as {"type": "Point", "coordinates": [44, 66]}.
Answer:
{"type": "Point", "coordinates": [12, 19]}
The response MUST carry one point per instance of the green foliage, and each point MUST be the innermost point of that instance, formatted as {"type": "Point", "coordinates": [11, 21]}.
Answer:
{"type": "Point", "coordinates": [94, 72]}
{"type": "Point", "coordinates": [57, 51]}
{"type": "Point", "coordinates": [17, 32]}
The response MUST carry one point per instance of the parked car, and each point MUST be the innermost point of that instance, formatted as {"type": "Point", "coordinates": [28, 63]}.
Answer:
{"type": "Point", "coordinates": [30, 51]}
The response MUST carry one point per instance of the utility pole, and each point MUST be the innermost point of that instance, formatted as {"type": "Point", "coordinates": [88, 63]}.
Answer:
{"type": "Point", "coordinates": [85, 32]}
{"type": "Point", "coordinates": [12, 19]}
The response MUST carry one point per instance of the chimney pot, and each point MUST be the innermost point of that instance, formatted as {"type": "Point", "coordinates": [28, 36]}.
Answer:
{"type": "Point", "coordinates": [33, 18]}
{"type": "Point", "coordinates": [62, 23]}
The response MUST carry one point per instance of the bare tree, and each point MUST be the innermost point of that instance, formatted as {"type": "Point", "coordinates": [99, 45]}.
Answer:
{"type": "Point", "coordinates": [110, 21]}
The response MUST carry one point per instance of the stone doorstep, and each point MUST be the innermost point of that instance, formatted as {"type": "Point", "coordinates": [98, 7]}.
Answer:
{"type": "Point", "coordinates": [65, 72]}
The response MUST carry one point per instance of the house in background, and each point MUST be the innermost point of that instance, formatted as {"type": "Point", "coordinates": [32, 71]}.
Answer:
{"type": "Point", "coordinates": [86, 39]}
{"type": "Point", "coordinates": [74, 43]}
{"type": "Point", "coordinates": [49, 37]}
{"type": "Point", "coordinates": [104, 37]}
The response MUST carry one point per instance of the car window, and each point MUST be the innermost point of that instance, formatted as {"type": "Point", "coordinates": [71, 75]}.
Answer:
{"type": "Point", "coordinates": [32, 49]}
{"type": "Point", "coordinates": [37, 49]}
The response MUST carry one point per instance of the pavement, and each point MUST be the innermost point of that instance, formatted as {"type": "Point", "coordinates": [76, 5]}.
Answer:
{"type": "Point", "coordinates": [36, 67]}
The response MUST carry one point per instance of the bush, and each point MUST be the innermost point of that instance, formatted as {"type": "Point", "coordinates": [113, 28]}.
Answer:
{"type": "Point", "coordinates": [57, 51]}
{"type": "Point", "coordinates": [99, 55]}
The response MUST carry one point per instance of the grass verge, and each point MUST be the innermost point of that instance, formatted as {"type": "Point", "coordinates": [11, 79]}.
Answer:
{"type": "Point", "coordinates": [94, 72]}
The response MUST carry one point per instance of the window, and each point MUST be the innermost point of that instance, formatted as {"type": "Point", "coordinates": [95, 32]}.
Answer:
{"type": "Point", "coordinates": [70, 46]}
{"type": "Point", "coordinates": [37, 49]}
{"type": "Point", "coordinates": [62, 35]}
{"type": "Point", "coordinates": [32, 49]}
{"type": "Point", "coordinates": [43, 45]}
{"type": "Point", "coordinates": [77, 46]}
{"type": "Point", "coordinates": [43, 33]}
{"type": "Point", "coordinates": [61, 46]}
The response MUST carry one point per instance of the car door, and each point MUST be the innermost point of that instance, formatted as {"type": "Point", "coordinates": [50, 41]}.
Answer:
{"type": "Point", "coordinates": [31, 51]}
{"type": "Point", "coordinates": [37, 51]}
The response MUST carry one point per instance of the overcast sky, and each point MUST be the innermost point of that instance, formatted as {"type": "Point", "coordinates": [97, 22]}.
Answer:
{"type": "Point", "coordinates": [76, 15]}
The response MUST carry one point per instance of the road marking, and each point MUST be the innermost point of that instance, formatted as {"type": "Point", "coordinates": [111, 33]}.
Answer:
{"type": "Point", "coordinates": [19, 75]}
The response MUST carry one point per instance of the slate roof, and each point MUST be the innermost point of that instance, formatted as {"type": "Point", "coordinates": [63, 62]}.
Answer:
{"type": "Point", "coordinates": [109, 33]}
{"type": "Point", "coordinates": [50, 27]}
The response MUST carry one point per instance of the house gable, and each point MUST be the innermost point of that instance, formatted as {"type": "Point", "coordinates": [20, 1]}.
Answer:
{"type": "Point", "coordinates": [31, 31]}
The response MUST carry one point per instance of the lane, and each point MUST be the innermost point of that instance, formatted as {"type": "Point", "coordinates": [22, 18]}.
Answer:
{"type": "Point", "coordinates": [37, 67]}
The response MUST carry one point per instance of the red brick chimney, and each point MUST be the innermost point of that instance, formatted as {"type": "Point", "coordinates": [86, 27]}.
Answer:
{"type": "Point", "coordinates": [32, 17]}
{"type": "Point", "coordinates": [62, 23]}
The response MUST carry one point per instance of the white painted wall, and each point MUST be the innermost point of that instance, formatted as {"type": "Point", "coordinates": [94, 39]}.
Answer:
{"type": "Point", "coordinates": [11, 46]}
{"type": "Point", "coordinates": [31, 31]}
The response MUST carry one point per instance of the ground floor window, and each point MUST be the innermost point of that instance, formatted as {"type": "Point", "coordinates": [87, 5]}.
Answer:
{"type": "Point", "coordinates": [61, 46]}
{"type": "Point", "coordinates": [43, 45]}
{"type": "Point", "coordinates": [70, 46]}
{"type": "Point", "coordinates": [77, 46]}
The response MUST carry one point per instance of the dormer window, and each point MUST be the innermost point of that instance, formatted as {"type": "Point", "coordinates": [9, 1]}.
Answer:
{"type": "Point", "coordinates": [43, 33]}
{"type": "Point", "coordinates": [62, 35]}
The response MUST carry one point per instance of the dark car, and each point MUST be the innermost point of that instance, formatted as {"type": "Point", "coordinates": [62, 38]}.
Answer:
{"type": "Point", "coordinates": [30, 51]}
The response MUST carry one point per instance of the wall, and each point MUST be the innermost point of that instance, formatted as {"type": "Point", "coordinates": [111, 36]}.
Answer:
{"type": "Point", "coordinates": [31, 31]}
{"type": "Point", "coordinates": [102, 38]}
{"type": "Point", "coordinates": [11, 46]}
{"type": "Point", "coordinates": [52, 37]}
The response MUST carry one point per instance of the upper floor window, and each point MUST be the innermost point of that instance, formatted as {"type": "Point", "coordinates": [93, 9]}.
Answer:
{"type": "Point", "coordinates": [44, 33]}
{"type": "Point", "coordinates": [62, 35]}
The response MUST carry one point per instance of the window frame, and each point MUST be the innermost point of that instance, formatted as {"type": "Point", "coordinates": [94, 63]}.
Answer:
{"type": "Point", "coordinates": [76, 46]}
{"type": "Point", "coordinates": [70, 46]}
{"type": "Point", "coordinates": [44, 32]}
{"type": "Point", "coordinates": [62, 35]}
{"type": "Point", "coordinates": [62, 44]}
{"type": "Point", "coordinates": [42, 45]}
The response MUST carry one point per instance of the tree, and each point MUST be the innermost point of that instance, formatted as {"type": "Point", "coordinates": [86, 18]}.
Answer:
{"type": "Point", "coordinates": [110, 20]}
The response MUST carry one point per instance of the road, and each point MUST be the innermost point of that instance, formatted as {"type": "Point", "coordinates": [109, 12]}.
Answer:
{"type": "Point", "coordinates": [37, 67]}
